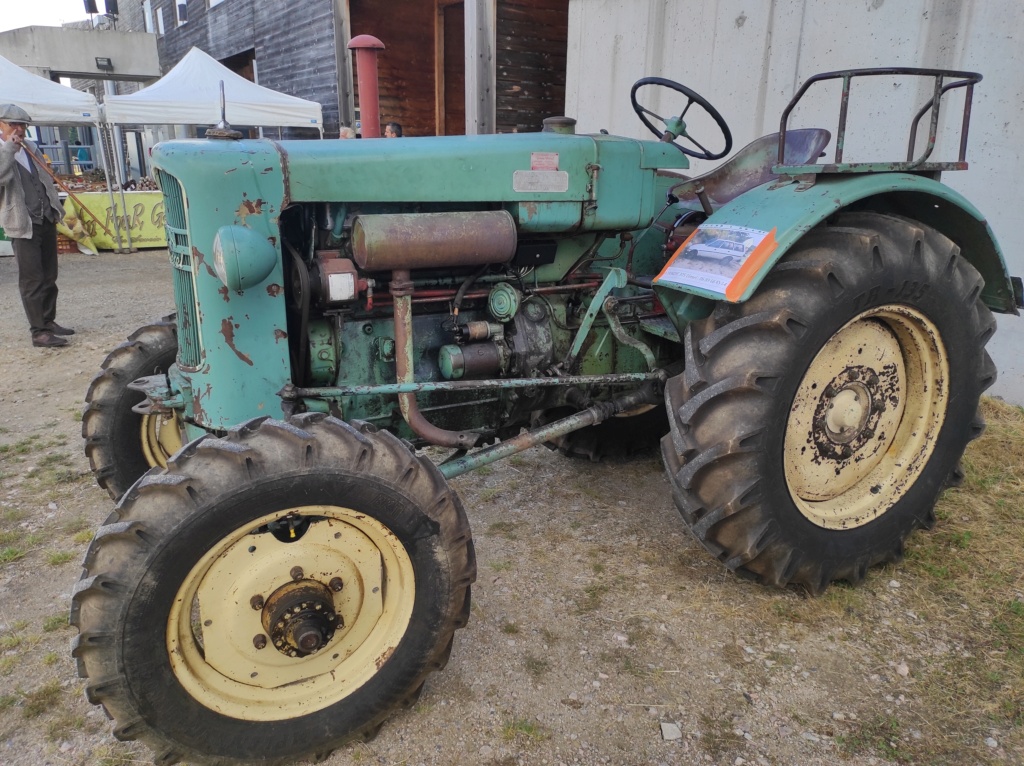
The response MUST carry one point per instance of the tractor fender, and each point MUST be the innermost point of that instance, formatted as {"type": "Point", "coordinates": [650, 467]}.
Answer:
{"type": "Point", "coordinates": [777, 214]}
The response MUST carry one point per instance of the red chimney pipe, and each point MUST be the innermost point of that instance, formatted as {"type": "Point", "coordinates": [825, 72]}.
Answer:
{"type": "Point", "coordinates": [366, 47]}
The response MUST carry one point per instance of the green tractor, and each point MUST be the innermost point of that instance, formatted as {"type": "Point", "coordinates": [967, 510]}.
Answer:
{"type": "Point", "coordinates": [286, 564]}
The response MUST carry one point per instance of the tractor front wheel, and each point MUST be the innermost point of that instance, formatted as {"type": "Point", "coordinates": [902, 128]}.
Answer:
{"type": "Point", "coordinates": [272, 594]}
{"type": "Point", "coordinates": [121, 444]}
{"type": "Point", "coordinates": [816, 424]}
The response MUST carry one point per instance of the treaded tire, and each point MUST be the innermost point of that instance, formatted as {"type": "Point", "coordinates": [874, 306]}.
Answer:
{"type": "Point", "coordinates": [729, 411]}
{"type": "Point", "coordinates": [213, 490]}
{"type": "Point", "coordinates": [112, 432]}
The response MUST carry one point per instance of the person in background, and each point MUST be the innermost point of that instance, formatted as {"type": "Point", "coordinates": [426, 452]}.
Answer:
{"type": "Point", "coordinates": [29, 211]}
{"type": "Point", "coordinates": [346, 133]}
{"type": "Point", "coordinates": [392, 130]}
{"type": "Point", "coordinates": [81, 157]}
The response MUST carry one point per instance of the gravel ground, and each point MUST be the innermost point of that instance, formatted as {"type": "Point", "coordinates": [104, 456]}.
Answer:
{"type": "Point", "coordinates": [601, 633]}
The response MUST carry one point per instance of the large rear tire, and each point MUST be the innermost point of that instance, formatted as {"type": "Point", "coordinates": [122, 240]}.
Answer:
{"type": "Point", "coordinates": [122, 445]}
{"type": "Point", "coordinates": [272, 594]}
{"type": "Point", "coordinates": [816, 424]}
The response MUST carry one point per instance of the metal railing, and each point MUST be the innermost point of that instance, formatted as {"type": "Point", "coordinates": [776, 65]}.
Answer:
{"type": "Point", "coordinates": [941, 87]}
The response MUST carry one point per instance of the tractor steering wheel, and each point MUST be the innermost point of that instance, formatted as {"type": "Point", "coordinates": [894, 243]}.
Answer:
{"type": "Point", "coordinates": [674, 126]}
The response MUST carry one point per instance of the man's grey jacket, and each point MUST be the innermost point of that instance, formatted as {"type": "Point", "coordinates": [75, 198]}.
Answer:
{"type": "Point", "coordinates": [14, 215]}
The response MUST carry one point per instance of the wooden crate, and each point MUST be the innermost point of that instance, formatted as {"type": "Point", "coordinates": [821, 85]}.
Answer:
{"type": "Point", "coordinates": [66, 245]}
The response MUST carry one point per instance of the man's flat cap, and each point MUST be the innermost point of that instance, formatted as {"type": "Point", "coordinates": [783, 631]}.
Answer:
{"type": "Point", "coordinates": [14, 113]}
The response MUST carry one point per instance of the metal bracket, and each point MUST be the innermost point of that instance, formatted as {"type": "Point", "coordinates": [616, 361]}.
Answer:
{"type": "Point", "coordinates": [616, 278]}
{"type": "Point", "coordinates": [609, 307]}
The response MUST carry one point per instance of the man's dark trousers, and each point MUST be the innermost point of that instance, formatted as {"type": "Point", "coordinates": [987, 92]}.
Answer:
{"type": "Point", "coordinates": [37, 275]}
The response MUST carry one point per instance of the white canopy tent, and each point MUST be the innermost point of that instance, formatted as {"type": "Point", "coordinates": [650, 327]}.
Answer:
{"type": "Point", "coordinates": [50, 103]}
{"type": "Point", "coordinates": [190, 95]}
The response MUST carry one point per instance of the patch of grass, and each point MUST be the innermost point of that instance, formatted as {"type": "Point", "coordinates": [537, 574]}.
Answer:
{"type": "Point", "coordinates": [59, 558]}
{"type": "Point", "coordinates": [11, 554]}
{"type": "Point", "coordinates": [488, 494]}
{"type": "Point", "coordinates": [12, 516]}
{"type": "Point", "coordinates": [591, 598]}
{"type": "Point", "coordinates": [625, 661]}
{"type": "Point", "coordinates": [55, 622]}
{"type": "Point", "coordinates": [115, 755]}
{"type": "Point", "coordinates": [57, 729]}
{"type": "Point", "coordinates": [23, 447]}
{"type": "Point", "coordinates": [9, 538]}
{"type": "Point", "coordinates": [509, 628]}
{"type": "Point", "coordinates": [54, 458]}
{"type": "Point", "coordinates": [43, 699]}
{"type": "Point", "coordinates": [7, 701]}
{"type": "Point", "coordinates": [500, 566]}
{"type": "Point", "coordinates": [51, 658]}
{"type": "Point", "coordinates": [521, 728]}
{"type": "Point", "coordinates": [8, 665]}
{"type": "Point", "coordinates": [9, 642]}
{"type": "Point", "coordinates": [505, 529]}
{"type": "Point", "coordinates": [85, 536]}
{"type": "Point", "coordinates": [536, 666]}
{"type": "Point", "coordinates": [718, 738]}
{"type": "Point", "coordinates": [878, 736]}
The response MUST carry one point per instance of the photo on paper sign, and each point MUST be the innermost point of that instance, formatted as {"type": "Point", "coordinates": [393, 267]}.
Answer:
{"type": "Point", "coordinates": [713, 256]}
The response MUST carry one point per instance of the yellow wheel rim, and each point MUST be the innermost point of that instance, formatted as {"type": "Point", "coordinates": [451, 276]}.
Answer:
{"type": "Point", "coordinates": [161, 437]}
{"type": "Point", "coordinates": [232, 659]}
{"type": "Point", "coordinates": [865, 417]}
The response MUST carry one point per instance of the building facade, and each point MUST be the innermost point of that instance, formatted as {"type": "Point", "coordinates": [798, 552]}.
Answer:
{"type": "Point", "coordinates": [302, 49]}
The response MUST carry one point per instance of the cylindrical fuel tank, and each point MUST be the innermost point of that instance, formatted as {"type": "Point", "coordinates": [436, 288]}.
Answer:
{"type": "Point", "coordinates": [433, 240]}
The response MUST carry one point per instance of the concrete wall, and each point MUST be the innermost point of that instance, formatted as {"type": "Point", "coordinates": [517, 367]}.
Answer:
{"type": "Point", "coordinates": [748, 59]}
{"type": "Point", "coordinates": [72, 52]}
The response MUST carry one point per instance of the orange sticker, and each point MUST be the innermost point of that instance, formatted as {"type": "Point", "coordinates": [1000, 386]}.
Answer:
{"type": "Point", "coordinates": [719, 258]}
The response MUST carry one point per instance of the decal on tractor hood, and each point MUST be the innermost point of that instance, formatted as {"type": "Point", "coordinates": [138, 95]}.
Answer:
{"type": "Point", "coordinates": [719, 258]}
{"type": "Point", "coordinates": [540, 181]}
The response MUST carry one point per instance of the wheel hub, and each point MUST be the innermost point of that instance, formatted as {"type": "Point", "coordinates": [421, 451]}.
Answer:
{"type": "Point", "coordinates": [300, 619]}
{"type": "Point", "coordinates": [849, 410]}
{"type": "Point", "coordinates": [865, 416]}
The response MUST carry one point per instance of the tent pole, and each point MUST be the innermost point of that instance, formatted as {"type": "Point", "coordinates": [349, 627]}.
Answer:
{"type": "Point", "coordinates": [113, 206]}
{"type": "Point", "coordinates": [127, 225]}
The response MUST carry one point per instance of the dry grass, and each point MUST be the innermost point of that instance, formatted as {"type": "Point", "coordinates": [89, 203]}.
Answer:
{"type": "Point", "coordinates": [958, 613]}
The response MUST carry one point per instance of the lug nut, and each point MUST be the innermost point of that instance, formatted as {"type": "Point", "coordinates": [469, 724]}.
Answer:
{"type": "Point", "coordinates": [256, 602]}
{"type": "Point", "coordinates": [336, 584]}
{"type": "Point", "coordinates": [259, 641]}
{"type": "Point", "coordinates": [296, 573]}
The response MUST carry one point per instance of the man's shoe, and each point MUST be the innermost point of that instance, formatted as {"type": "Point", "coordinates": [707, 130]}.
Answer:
{"type": "Point", "coordinates": [56, 329]}
{"type": "Point", "coordinates": [48, 340]}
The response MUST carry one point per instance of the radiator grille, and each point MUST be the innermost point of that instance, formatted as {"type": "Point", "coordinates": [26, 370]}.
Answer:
{"type": "Point", "coordinates": [180, 250]}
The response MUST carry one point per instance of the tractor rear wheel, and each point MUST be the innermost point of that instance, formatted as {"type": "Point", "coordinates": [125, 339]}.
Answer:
{"type": "Point", "coordinates": [816, 424]}
{"type": "Point", "coordinates": [122, 445]}
{"type": "Point", "coordinates": [272, 594]}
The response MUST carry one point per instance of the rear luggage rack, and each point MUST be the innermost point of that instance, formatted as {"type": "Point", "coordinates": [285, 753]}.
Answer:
{"type": "Point", "coordinates": [961, 80]}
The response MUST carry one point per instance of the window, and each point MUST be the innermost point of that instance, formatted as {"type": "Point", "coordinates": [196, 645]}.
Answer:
{"type": "Point", "coordinates": [211, 3]}
{"type": "Point", "coordinates": [181, 13]}
{"type": "Point", "coordinates": [160, 21]}
{"type": "Point", "coordinates": [147, 15]}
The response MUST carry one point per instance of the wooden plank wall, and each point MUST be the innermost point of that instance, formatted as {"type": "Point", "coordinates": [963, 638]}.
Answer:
{"type": "Point", "coordinates": [531, 55]}
{"type": "Point", "coordinates": [406, 65]}
{"type": "Point", "coordinates": [293, 47]}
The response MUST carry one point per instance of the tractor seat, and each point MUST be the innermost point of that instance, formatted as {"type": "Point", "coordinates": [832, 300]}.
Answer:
{"type": "Point", "coordinates": [752, 166]}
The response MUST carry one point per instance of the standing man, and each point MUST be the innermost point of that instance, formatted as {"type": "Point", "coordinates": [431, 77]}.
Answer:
{"type": "Point", "coordinates": [29, 211]}
{"type": "Point", "coordinates": [392, 130]}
